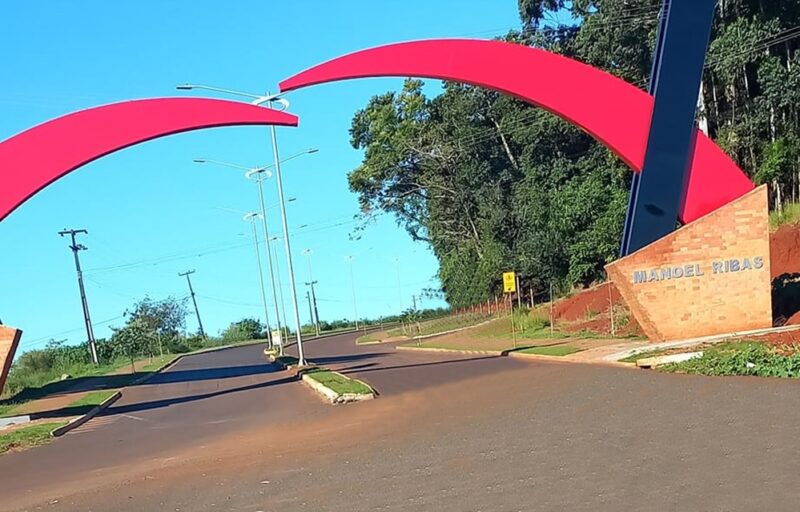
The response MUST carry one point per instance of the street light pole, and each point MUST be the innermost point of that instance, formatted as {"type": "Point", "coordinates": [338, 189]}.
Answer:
{"type": "Point", "coordinates": [251, 218]}
{"type": "Point", "coordinates": [286, 244]}
{"type": "Point", "coordinates": [268, 247]}
{"type": "Point", "coordinates": [349, 259]}
{"type": "Point", "coordinates": [399, 287]}
{"type": "Point", "coordinates": [280, 288]}
{"type": "Point", "coordinates": [268, 99]}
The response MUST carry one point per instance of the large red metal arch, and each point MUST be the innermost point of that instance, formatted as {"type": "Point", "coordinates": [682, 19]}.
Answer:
{"type": "Point", "coordinates": [613, 111]}
{"type": "Point", "coordinates": [31, 160]}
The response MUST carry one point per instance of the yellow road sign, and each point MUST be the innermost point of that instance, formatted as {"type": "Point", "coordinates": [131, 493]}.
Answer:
{"type": "Point", "coordinates": [509, 282]}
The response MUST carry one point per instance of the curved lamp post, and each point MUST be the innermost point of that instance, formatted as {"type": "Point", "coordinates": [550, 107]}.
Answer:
{"type": "Point", "coordinates": [268, 99]}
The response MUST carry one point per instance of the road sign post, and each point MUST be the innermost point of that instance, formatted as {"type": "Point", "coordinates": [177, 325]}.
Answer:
{"type": "Point", "coordinates": [509, 287]}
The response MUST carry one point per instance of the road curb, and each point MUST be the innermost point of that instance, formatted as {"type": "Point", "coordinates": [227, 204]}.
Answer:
{"type": "Point", "coordinates": [77, 422]}
{"type": "Point", "coordinates": [332, 396]}
{"type": "Point", "coordinates": [453, 351]}
{"type": "Point", "coordinates": [564, 360]}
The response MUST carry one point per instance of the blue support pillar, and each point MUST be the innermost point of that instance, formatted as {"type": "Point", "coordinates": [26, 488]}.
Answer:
{"type": "Point", "coordinates": [657, 192]}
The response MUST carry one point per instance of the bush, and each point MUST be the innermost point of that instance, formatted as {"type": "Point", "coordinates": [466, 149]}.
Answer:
{"type": "Point", "coordinates": [753, 359]}
{"type": "Point", "coordinates": [243, 330]}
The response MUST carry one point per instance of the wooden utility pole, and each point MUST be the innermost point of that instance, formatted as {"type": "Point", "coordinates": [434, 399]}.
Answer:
{"type": "Point", "coordinates": [76, 248]}
{"type": "Point", "coordinates": [194, 301]}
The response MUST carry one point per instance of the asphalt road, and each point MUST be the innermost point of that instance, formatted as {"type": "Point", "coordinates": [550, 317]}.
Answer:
{"type": "Point", "coordinates": [210, 396]}
{"type": "Point", "coordinates": [467, 435]}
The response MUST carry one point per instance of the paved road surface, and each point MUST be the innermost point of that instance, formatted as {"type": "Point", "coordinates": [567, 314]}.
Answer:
{"type": "Point", "coordinates": [212, 395]}
{"type": "Point", "coordinates": [495, 435]}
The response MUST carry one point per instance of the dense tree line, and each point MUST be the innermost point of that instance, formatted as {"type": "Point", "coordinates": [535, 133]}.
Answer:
{"type": "Point", "coordinates": [491, 183]}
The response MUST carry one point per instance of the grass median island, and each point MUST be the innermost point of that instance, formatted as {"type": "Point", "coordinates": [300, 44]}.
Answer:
{"type": "Point", "coordinates": [555, 350]}
{"type": "Point", "coordinates": [338, 382]}
{"type": "Point", "coordinates": [27, 437]}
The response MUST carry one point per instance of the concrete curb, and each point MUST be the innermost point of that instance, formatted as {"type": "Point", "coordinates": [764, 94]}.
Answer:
{"type": "Point", "coordinates": [652, 362]}
{"type": "Point", "coordinates": [452, 351]}
{"type": "Point", "coordinates": [332, 396]}
{"type": "Point", "coordinates": [327, 393]}
{"type": "Point", "coordinates": [692, 342]}
{"type": "Point", "coordinates": [77, 422]}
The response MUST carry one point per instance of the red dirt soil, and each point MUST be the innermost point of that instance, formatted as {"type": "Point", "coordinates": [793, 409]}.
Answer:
{"type": "Point", "coordinates": [586, 303]}
{"type": "Point", "coordinates": [588, 310]}
{"type": "Point", "coordinates": [784, 246]}
{"type": "Point", "coordinates": [785, 269]}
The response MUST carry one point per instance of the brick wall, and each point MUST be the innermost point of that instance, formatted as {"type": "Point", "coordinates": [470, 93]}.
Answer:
{"type": "Point", "coordinates": [9, 339]}
{"type": "Point", "coordinates": [711, 276]}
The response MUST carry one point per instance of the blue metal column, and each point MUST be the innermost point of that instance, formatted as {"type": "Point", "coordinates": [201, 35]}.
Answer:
{"type": "Point", "coordinates": [657, 192]}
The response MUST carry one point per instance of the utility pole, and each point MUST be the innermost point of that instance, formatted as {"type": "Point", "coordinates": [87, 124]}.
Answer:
{"type": "Point", "coordinates": [194, 301]}
{"type": "Point", "coordinates": [314, 311]}
{"type": "Point", "coordinates": [76, 247]}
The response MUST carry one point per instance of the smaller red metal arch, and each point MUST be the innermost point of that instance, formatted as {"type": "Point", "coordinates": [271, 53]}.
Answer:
{"type": "Point", "coordinates": [31, 160]}
{"type": "Point", "coordinates": [613, 111]}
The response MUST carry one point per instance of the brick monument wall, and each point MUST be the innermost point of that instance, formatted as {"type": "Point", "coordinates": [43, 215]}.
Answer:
{"type": "Point", "coordinates": [9, 340]}
{"type": "Point", "coordinates": [709, 277]}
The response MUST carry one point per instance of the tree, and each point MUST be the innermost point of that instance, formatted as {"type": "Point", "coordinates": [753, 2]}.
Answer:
{"type": "Point", "coordinates": [243, 330]}
{"type": "Point", "coordinates": [490, 184]}
{"type": "Point", "coordinates": [164, 319]}
{"type": "Point", "coordinates": [132, 340]}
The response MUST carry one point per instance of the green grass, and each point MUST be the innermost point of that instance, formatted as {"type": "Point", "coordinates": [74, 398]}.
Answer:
{"type": "Point", "coordinates": [790, 214]}
{"type": "Point", "coordinates": [440, 325]}
{"type": "Point", "coordinates": [93, 399]}
{"type": "Point", "coordinates": [159, 363]}
{"type": "Point", "coordinates": [27, 437]}
{"type": "Point", "coordinates": [339, 383]}
{"type": "Point", "coordinates": [558, 350]}
{"type": "Point", "coordinates": [369, 337]}
{"type": "Point", "coordinates": [740, 358]}
{"type": "Point", "coordinates": [8, 409]}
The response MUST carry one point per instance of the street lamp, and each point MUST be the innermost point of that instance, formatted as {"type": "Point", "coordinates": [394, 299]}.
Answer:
{"type": "Point", "coordinates": [314, 312]}
{"type": "Point", "coordinates": [261, 174]}
{"type": "Point", "coordinates": [268, 99]}
{"type": "Point", "coordinates": [396, 260]}
{"type": "Point", "coordinates": [349, 259]}
{"type": "Point", "coordinates": [251, 218]}
{"type": "Point", "coordinates": [280, 286]}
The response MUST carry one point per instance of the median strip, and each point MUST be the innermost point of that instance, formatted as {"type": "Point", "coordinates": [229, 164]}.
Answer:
{"type": "Point", "coordinates": [334, 387]}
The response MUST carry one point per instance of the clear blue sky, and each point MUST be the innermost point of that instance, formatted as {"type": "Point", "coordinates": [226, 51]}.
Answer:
{"type": "Point", "coordinates": [151, 206]}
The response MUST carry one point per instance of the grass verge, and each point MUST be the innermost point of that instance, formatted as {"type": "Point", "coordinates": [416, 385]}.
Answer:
{"type": "Point", "coordinates": [339, 383]}
{"type": "Point", "coordinates": [27, 437]}
{"type": "Point", "coordinates": [558, 350]}
{"type": "Point", "coordinates": [371, 337]}
{"type": "Point", "coordinates": [93, 399]}
{"type": "Point", "coordinates": [742, 358]}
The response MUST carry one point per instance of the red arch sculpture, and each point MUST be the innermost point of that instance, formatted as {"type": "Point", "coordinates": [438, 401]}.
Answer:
{"type": "Point", "coordinates": [31, 160]}
{"type": "Point", "coordinates": [611, 110]}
